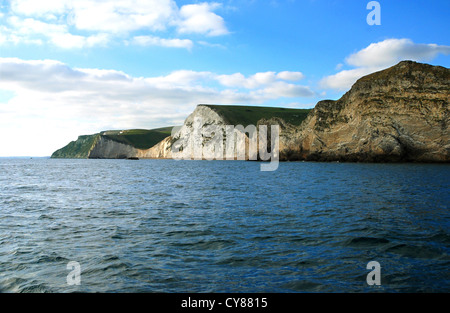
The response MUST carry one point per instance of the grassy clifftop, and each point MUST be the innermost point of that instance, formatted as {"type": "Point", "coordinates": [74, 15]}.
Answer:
{"type": "Point", "coordinates": [250, 115]}
{"type": "Point", "coordinates": [139, 138]}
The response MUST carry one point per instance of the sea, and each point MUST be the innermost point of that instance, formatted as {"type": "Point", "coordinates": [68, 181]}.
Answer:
{"type": "Point", "coordinates": [166, 226]}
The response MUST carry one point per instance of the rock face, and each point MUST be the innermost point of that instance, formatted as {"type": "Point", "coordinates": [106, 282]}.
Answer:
{"type": "Point", "coordinates": [400, 114]}
{"type": "Point", "coordinates": [163, 150]}
{"type": "Point", "coordinates": [109, 149]}
{"type": "Point", "coordinates": [202, 117]}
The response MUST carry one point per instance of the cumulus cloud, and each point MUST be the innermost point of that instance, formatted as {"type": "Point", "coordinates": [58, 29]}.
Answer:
{"type": "Point", "coordinates": [54, 102]}
{"type": "Point", "coordinates": [345, 79]}
{"type": "Point", "coordinates": [42, 8]}
{"type": "Point", "coordinates": [283, 89]}
{"type": "Point", "coordinates": [292, 76]}
{"type": "Point", "coordinates": [33, 31]}
{"type": "Point", "coordinates": [258, 79]}
{"type": "Point", "coordinates": [199, 18]}
{"type": "Point", "coordinates": [378, 56]}
{"type": "Point", "coordinates": [391, 51]}
{"type": "Point", "coordinates": [157, 41]}
{"type": "Point", "coordinates": [92, 22]}
{"type": "Point", "coordinates": [122, 16]}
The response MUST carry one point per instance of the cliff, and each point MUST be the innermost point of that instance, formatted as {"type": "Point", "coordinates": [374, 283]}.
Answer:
{"type": "Point", "coordinates": [400, 114]}
{"type": "Point", "coordinates": [157, 144]}
{"type": "Point", "coordinates": [105, 148]}
{"type": "Point", "coordinates": [79, 149]}
{"type": "Point", "coordinates": [220, 117]}
{"type": "Point", "coordinates": [113, 144]}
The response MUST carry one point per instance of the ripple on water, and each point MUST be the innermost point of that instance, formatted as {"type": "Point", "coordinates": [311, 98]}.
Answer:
{"type": "Point", "coordinates": [366, 242]}
{"type": "Point", "coordinates": [413, 251]}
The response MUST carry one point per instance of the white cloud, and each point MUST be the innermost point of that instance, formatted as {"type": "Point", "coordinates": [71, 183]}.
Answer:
{"type": "Point", "coordinates": [292, 76]}
{"type": "Point", "coordinates": [91, 22]}
{"type": "Point", "coordinates": [339, 66]}
{"type": "Point", "coordinates": [156, 41]}
{"type": "Point", "coordinates": [346, 78]}
{"type": "Point", "coordinates": [283, 89]}
{"type": "Point", "coordinates": [258, 79]}
{"type": "Point", "coordinates": [52, 102]}
{"type": "Point", "coordinates": [233, 80]}
{"type": "Point", "coordinates": [261, 79]}
{"type": "Point", "coordinates": [69, 41]}
{"type": "Point", "coordinates": [102, 15]}
{"type": "Point", "coordinates": [378, 56]}
{"type": "Point", "coordinates": [211, 45]}
{"type": "Point", "coordinates": [30, 26]}
{"type": "Point", "coordinates": [32, 31]}
{"type": "Point", "coordinates": [39, 8]}
{"type": "Point", "coordinates": [391, 51]}
{"type": "Point", "coordinates": [182, 79]}
{"type": "Point", "coordinates": [199, 18]}
{"type": "Point", "coordinates": [120, 16]}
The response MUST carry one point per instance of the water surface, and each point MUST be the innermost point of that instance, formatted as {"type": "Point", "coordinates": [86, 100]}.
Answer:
{"type": "Point", "coordinates": [199, 226]}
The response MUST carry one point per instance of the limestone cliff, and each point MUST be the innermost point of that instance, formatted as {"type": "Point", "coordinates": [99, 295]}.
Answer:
{"type": "Point", "coordinates": [205, 116]}
{"type": "Point", "coordinates": [216, 145]}
{"type": "Point", "coordinates": [110, 149]}
{"type": "Point", "coordinates": [395, 115]}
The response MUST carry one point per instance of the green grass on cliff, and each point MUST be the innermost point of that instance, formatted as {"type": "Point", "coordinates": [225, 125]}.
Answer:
{"type": "Point", "coordinates": [250, 115]}
{"type": "Point", "coordinates": [78, 149]}
{"type": "Point", "coordinates": [139, 138]}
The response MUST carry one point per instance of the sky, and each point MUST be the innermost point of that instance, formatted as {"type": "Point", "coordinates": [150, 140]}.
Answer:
{"type": "Point", "coordinates": [76, 67]}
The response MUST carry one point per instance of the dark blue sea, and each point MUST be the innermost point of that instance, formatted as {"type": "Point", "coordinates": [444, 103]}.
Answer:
{"type": "Point", "coordinates": [199, 226]}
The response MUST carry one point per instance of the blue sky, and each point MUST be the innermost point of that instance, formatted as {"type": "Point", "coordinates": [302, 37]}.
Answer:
{"type": "Point", "coordinates": [77, 67]}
